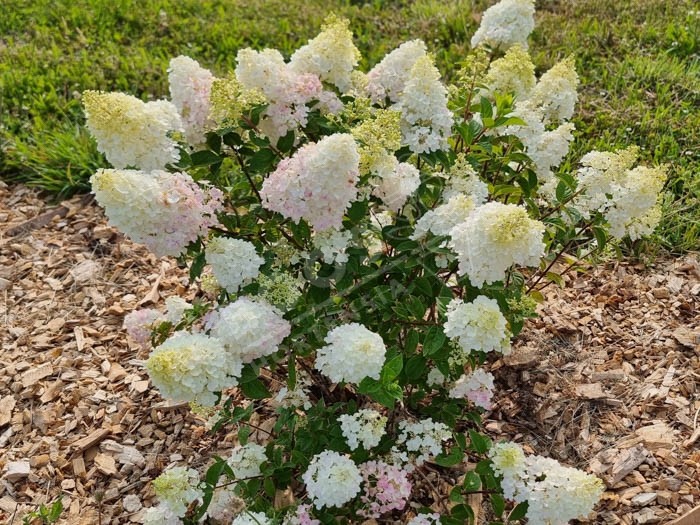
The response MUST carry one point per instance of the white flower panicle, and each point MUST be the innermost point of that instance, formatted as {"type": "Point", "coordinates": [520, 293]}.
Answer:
{"type": "Point", "coordinates": [396, 185]}
{"type": "Point", "coordinates": [245, 461]}
{"type": "Point", "coordinates": [423, 438]}
{"type": "Point", "coordinates": [556, 91]}
{"type": "Point", "coordinates": [505, 24]}
{"type": "Point", "coordinates": [139, 324]}
{"type": "Point", "coordinates": [425, 519]}
{"type": "Point", "coordinates": [441, 220]}
{"type": "Point", "coordinates": [130, 132]}
{"type": "Point", "coordinates": [234, 262]}
{"type": "Point", "coordinates": [176, 488]}
{"type": "Point", "coordinates": [464, 179]}
{"type": "Point", "coordinates": [388, 78]}
{"type": "Point", "coordinates": [426, 121]}
{"type": "Point", "coordinates": [249, 329]}
{"type": "Point", "coordinates": [633, 202]}
{"type": "Point", "coordinates": [514, 73]}
{"type": "Point", "coordinates": [365, 427]}
{"type": "Point", "coordinates": [251, 518]}
{"type": "Point", "coordinates": [477, 326]}
{"type": "Point", "coordinates": [287, 91]}
{"type": "Point", "coordinates": [175, 308]}
{"type": "Point", "coordinates": [331, 55]}
{"type": "Point", "coordinates": [191, 367]}
{"type": "Point", "coordinates": [190, 87]}
{"type": "Point", "coordinates": [546, 148]}
{"type": "Point", "coordinates": [555, 494]}
{"type": "Point", "coordinates": [164, 211]}
{"type": "Point", "coordinates": [477, 387]}
{"type": "Point", "coordinates": [600, 172]}
{"type": "Point", "coordinates": [160, 515]}
{"type": "Point", "coordinates": [495, 237]}
{"type": "Point", "coordinates": [317, 183]}
{"type": "Point", "coordinates": [280, 289]}
{"type": "Point", "coordinates": [352, 353]}
{"type": "Point", "coordinates": [332, 479]}
{"type": "Point", "coordinates": [332, 244]}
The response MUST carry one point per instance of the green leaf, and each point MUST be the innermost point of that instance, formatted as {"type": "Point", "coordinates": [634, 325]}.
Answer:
{"type": "Point", "coordinates": [204, 158]}
{"type": "Point", "coordinates": [472, 481]}
{"type": "Point", "coordinates": [412, 339]}
{"type": "Point", "coordinates": [269, 486]}
{"type": "Point", "coordinates": [415, 367]}
{"type": "Point", "coordinates": [255, 389]}
{"type": "Point", "coordinates": [486, 109]}
{"type": "Point", "coordinates": [463, 512]}
{"type": "Point", "coordinates": [392, 369]}
{"type": "Point", "coordinates": [197, 266]}
{"type": "Point", "coordinates": [434, 340]}
{"type": "Point", "coordinates": [456, 495]}
{"type": "Point", "coordinates": [600, 236]}
{"type": "Point", "coordinates": [518, 512]}
{"type": "Point", "coordinates": [214, 142]}
{"type": "Point", "coordinates": [262, 161]}
{"type": "Point", "coordinates": [455, 457]}
{"type": "Point", "coordinates": [479, 443]}
{"type": "Point", "coordinates": [498, 504]}
{"type": "Point", "coordinates": [285, 144]}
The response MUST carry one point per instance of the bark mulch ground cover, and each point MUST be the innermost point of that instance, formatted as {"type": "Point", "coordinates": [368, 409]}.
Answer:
{"type": "Point", "coordinates": [606, 379]}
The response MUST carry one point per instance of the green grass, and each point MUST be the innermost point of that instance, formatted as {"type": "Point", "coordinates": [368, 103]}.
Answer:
{"type": "Point", "coordinates": [638, 61]}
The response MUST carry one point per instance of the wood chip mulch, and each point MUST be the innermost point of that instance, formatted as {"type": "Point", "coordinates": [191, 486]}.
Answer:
{"type": "Point", "coordinates": [605, 380]}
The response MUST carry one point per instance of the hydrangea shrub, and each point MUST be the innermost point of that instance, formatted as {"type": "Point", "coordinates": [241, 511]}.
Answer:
{"type": "Point", "coordinates": [362, 245]}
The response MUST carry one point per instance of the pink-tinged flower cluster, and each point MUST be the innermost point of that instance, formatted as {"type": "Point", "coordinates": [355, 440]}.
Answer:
{"type": "Point", "coordinates": [190, 87]}
{"type": "Point", "coordinates": [477, 387]}
{"type": "Point", "coordinates": [385, 488]}
{"type": "Point", "coordinates": [317, 183]}
{"type": "Point", "coordinates": [139, 324]}
{"type": "Point", "coordinates": [302, 516]}
{"type": "Point", "coordinates": [165, 211]}
{"type": "Point", "coordinates": [287, 91]}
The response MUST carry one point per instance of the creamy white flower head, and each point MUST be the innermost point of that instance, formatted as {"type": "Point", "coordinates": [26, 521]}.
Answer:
{"type": "Point", "coordinates": [477, 387]}
{"type": "Point", "coordinates": [478, 326]}
{"type": "Point", "coordinates": [397, 184]}
{"type": "Point", "coordinates": [425, 519]}
{"type": "Point", "coordinates": [442, 219]}
{"type": "Point", "coordinates": [260, 70]}
{"type": "Point", "coordinates": [191, 367]}
{"type": "Point", "coordinates": [331, 55]}
{"type": "Point", "coordinates": [463, 178]}
{"type": "Point", "coordinates": [251, 518]}
{"type": "Point", "coordinates": [495, 237]}
{"type": "Point", "coordinates": [249, 329]}
{"type": "Point", "coordinates": [245, 460]}
{"type": "Point", "coordinates": [176, 488]}
{"type": "Point", "coordinates": [555, 494]}
{"type": "Point", "coordinates": [600, 172]}
{"type": "Point", "coordinates": [352, 353]}
{"type": "Point", "coordinates": [160, 515]}
{"type": "Point", "coordinates": [165, 211]}
{"type": "Point", "coordinates": [423, 438]}
{"type": "Point", "coordinates": [317, 183]}
{"type": "Point", "coordinates": [332, 479]}
{"type": "Point", "coordinates": [175, 308]}
{"type": "Point", "coordinates": [426, 121]}
{"type": "Point", "coordinates": [435, 377]}
{"type": "Point", "coordinates": [634, 202]}
{"type": "Point", "coordinates": [130, 132]}
{"type": "Point", "coordinates": [365, 427]}
{"type": "Point", "coordinates": [332, 244]}
{"type": "Point", "coordinates": [234, 262]}
{"type": "Point", "coordinates": [556, 91]}
{"type": "Point", "coordinates": [190, 87]}
{"type": "Point", "coordinates": [506, 23]}
{"type": "Point", "coordinates": [514, 73]}
{"type": "Point", "coordinates": [388, 78]}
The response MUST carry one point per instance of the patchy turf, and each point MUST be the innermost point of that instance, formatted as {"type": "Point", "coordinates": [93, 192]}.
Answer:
{"type": "Point", "coordinates": [638, 61]}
